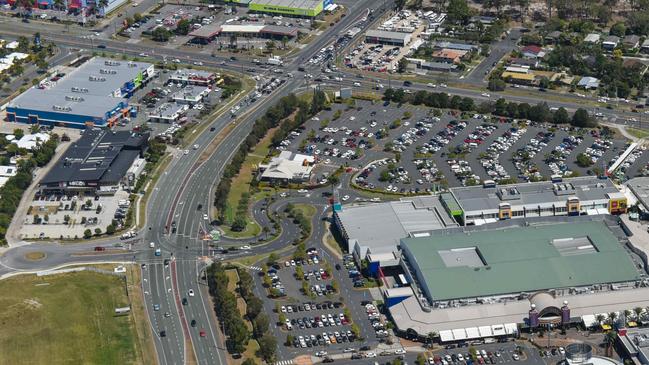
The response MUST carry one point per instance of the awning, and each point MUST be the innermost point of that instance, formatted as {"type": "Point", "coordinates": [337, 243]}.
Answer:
{"type": "Point", "coordinates": [511, 328]}
{"type": "Point", "coordinates": [459, 334]}
{"type": "Point", "coordinates": [485, 331]}
{"type": "Point", "coordinates": [445, 336]}
{"type": "Point", "coordinates": [606, 327]}
{"type": "Point", "coordinates": [498, 330]}
{"type": "Point", "coordinates": [472, 332]}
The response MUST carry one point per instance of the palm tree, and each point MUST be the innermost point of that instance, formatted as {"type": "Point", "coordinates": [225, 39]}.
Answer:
{"type": "Point", "coordinates": [610, 340]}
{"type": "Point", "coordinates": [58, 4]}
{"type": "Point", "coordinates": [284, 41]}
{"type": "Point", "coordinates": [600, 318]}
{"type": "Point", "coordinates": [638, 311]}
{"type": "Point", "coordinates": [612, 317]}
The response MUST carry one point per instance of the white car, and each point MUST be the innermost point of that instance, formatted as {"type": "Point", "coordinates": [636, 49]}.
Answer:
{"type": "Point", "coordinates": [399, 352]}
{"type": "Point", "coordinates": [486, 95]}
{"type": "Point", "coordinates": [345, 198]}
{"type": "Point", "coordinates": [186, 152]}
{"type": "Point", "coordinates": [191, 292]}
{"type": "Point", "coordinates": [205, 217]}
{"type": "Point", "coordinates": [198, 63]}
{"type": "Point", "coordinates": [357, 84]}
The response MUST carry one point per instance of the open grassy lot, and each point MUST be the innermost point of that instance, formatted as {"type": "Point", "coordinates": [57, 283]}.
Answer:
{"type": "Point", "coordinates": [241, 184]}
{"type": "Point", "coordinates": [639, 133]}
{"type": "Point", "coordinates": [66, 319]}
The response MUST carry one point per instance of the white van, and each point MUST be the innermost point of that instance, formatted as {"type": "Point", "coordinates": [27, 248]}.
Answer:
{"type": "Point", "coordinates": [152, 244]}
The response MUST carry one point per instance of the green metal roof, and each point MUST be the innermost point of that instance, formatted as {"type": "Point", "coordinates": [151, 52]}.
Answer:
{"type": "Point", "coordinates": [520, 259]}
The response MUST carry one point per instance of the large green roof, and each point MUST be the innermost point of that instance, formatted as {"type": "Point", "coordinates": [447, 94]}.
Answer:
{"type": "Point", "coordinates": [519, 259]}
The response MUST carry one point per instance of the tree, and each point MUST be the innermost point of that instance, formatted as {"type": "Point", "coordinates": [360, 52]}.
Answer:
{"type": "Point", "coordinates": [87, 233]}
{"type": "Point", "coordinates": [544, 83]}
{"type": "Point", "coordinates": [458, 11]}
{"type": "Point", "coordinates": [97, 231]}
{"type": "Point", "coordinates": [238, 336]}
{"type": "Point", "coordinates": [254, 307]}
{"type": "Point", "coordinates": [160, 34]}
{"type": "Point", "coordinates": [583, 160]}
{"type": "Point", "coordinates": [561, 116]}
{"type": "Point", "coordinates": [239, 224]}
{"type": "Point", "coordinates": [270, 45]}
{"type": "Point", "coordinates": [137, 17]}
{"type": "Point", "coordinates": [183, 27]}
{"type": "Point", "coordinates": [402, 65]}
{"type": "Point", "coordinates": [618, 29]}
{"type": "Point", "coordinates": [399, 4]}
{"type": "Point", "coordinates": [249, 361]}
{"type": "Point", "coordinates": [284, 41]}
{"type": "Point", "coordinates": [421, 360]}
{"type": "Point", "coordinates": [299, 273]}
{"type": "Point", "coordinates": [496, 84]}
{"type": "Point", "coordinates": [272, 259]}
{"type": "Point", "coordinates": [267, 348]}
{"type": "Point", "coordinates": [260, 325]}
{"type": "Point", "coordinates": [289, 340]}
{"type": "Point", "coordinates": [582, 119]}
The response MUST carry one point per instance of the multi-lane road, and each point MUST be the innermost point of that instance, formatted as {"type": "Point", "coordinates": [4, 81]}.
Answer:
{"type": "Point", "coordinates": [187, 183]}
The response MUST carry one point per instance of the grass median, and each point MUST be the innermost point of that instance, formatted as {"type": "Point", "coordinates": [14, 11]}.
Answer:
{"type": "Point", "coordinates": [67, 319]}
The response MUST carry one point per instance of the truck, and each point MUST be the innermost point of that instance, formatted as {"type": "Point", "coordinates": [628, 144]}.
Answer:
{"type": "Point", "coordinates": [275, 61]}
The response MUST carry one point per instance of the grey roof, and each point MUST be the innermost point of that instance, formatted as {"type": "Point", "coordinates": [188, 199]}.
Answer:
{"type": "Point", "coordinates": [586, 188]}
{"type": "Point", "coordinates": [297, 4]}
{"type": "Point", "coordinates": [589, 82]}
{"type": "Point", "coordinates": [85, 91]}
{"type": "Point", "coordinates": [631, 39]}
{"type": "Point", "coordinates": [640, 188]}
{"type": "Point", "coordinates": [375, 33]}
{"type": "Point", "coordinates": [458, 46]}
{"type": "Point", "coordinates": [645, 43]}
{"type": "Point", "coordinates": [380, 226]}
{"type": "Point", "coordinates": [612, 39]}
{"type": "Point", "coordinates": [445, 66]}
{"type": "Point", "coordinates": [189, 92]}
{"type": "Point", "coordinates": [99, 155]}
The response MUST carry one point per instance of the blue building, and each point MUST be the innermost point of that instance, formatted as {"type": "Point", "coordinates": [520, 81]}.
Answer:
{"type": "Point", "coordinates": [94, 94]}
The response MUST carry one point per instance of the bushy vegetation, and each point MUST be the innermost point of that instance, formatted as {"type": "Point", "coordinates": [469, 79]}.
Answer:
{"type": "Point", "coordinates": [234, 327]}
{"type": "Point", "coordinates": [537, 113]}
{"type": "Point", "coordinates": [14, 188]}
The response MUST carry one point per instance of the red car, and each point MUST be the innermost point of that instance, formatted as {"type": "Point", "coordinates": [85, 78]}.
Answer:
{"type": "Point", "coordinates": [202, 333]}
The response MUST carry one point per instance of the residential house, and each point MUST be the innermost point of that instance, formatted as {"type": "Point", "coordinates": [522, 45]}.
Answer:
{"type": "Point", "coordinates": [631, 41]}
{"type": "Point", "coordinates": [610, 42]}
{"type": "Point", "coordinates": [553, 37]}
{"type": "Point", "coordinates": [448, 56]}
{"type": "Point", "coordinates": [531, 63]}
{"type": "Point", "coordinates": [533, 52]}
{"type": "Point", "coordinates": [644, 48]}
{"type": "Point", "coordinates": [588, 83]}
{"type": "Point", "coordinates": [635, 64]}
{"type": "Point", "coordinates": [519, 75]}
{"type": "Point", "coordinates": [592, 38]}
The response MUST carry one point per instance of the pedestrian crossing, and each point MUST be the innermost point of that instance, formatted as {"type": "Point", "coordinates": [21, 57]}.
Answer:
{"type": "Point", "coordinates": [285, 362]}
{"type": "Point", "coordinates": [255, 268]}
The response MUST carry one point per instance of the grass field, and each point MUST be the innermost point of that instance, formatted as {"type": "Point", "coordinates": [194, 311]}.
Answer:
{"type": "Point", "coordinates": [66, 319]}
{"type": "Point", "coordinates": [638, 133]}
{"type": "Point", "coordinates": [241, 184]}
